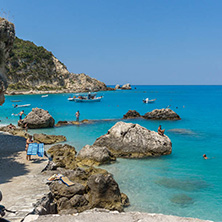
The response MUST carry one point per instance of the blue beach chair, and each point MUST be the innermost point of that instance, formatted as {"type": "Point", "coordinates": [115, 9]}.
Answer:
{"type": "Point", "coordinates": [40, 150]}
{"type": "Point", "coordinates": [32, 149]}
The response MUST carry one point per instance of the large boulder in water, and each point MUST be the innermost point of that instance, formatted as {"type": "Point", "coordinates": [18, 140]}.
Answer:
{"type": "Point", "coordinates": [37, 118]}
{"type": "Point", "coordinates": [162, 114]}
{"type": "Point", "coordinates": [94, 155]}
{"type": "Point", "coordinates": [131, 114]}
{"type": "Point", "coordinates": [126, 86]}
{"type": "Point", "coordinates": [134, 141]}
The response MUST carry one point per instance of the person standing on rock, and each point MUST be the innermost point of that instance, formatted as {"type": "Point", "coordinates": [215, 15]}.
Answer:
{"type": "Point", "coordinates": [20, 115]}
{"type": "Point", "coordinates": [77, 116]}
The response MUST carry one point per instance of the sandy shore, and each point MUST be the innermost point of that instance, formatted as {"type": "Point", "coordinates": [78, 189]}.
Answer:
{"type": "Point", "coordinates": [21, 181]}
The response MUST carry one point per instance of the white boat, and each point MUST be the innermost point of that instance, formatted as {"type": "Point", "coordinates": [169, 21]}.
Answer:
{"type": "Point", "coordinates": [43, 96]}
{"type": "Point", "coordinates": [95, 99]}
{"type": "Point", "coordinates": [147, 100]}
{"type": "Point", "coordinates": [25, 105]}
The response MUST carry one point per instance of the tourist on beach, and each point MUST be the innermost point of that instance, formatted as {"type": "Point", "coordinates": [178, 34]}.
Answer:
{"type": "Point", "coordinates": [77, 116]}
{"type": "Point", "coordinates": [28, 141]}
{"type": "Point", "coordinates": [160, 131]}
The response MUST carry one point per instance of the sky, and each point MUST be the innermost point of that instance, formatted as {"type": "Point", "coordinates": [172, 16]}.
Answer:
{"type": "Point", "coordinates": [142, 42]}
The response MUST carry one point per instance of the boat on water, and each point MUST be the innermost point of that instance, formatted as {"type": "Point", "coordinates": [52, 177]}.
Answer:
{"type": "Point", "coordinates": [86, 98]}
{"type": "Point", "coordinates": [43, 96]}
{"type": "Point", "coordinates": [25, 105]}
{"type": "Point", "coordinates": [15, 101]}
{"type": "Point", "coordinates": [147, 100]}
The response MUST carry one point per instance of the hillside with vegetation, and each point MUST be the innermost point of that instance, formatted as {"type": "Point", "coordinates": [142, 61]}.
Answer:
{"type": "Point", "coordinates": [31, 67]}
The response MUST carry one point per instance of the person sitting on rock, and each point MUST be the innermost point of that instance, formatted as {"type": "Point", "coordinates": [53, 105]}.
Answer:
{"type": "Point", "coordinates": [11, 126]}
{"type": "Point", "coordinates": [160, 131]}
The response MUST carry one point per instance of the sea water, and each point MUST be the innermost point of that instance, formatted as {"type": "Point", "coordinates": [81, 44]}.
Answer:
{"type": "Point", "coordinates": [182, 183]}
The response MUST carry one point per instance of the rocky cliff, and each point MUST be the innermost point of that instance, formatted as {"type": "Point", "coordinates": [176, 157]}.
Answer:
{"type": "Point", "coordinates": [31, 67]}
{"type": "Point", "coordinates": [7, 35]}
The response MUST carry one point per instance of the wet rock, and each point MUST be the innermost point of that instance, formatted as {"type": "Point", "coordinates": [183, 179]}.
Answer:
{"type": "Point", "coordinates": [104, 192]}
{"type": "Point", "coordinates": [62, 123]}
{"type": "Point", "coordinates": [37, 118]}
{"type": "Point", "coordinates": [162, 114]}
{"type": "Point", "coordinates": [94, 155]}
{"type": "Point", "coordinates": [134, 141]}
{"type": "Point", "coordinates": [48, 139]}
{"type": "Point", "coordinates": [63, 156]}
{"type": "Point", "coordinates": [131, 114]}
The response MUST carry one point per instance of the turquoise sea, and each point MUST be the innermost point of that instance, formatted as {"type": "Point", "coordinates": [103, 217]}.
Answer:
{"type": "Point", "coordinates": [182, 183]}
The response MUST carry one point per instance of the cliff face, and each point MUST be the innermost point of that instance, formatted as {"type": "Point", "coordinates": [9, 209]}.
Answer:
{"type": "Point", "coordinates": [30, 67]}
{"type": "Point", "coordinates": [7, 35]}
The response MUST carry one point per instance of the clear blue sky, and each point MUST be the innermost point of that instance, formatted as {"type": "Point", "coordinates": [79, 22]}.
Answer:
{"type": "Point", "coordinates": [119, 41]}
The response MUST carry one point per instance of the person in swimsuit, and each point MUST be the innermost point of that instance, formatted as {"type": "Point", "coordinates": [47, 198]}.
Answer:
{"type": "Point", "coordinates": [160, 131]}
{"type": "Point", "coordinates": [28, 141]}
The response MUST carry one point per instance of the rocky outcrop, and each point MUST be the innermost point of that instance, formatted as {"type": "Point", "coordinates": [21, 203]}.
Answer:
{"type": "Point", "coordinates": [162, 114]}
{"type": "Point", "coordinates": [94, 155]}
{"type": "Point", "coordinates": [117, 87]}
{"type": "Point", "coordinates": [65, 123]}
{"type": "Point", "coordinates": [126, 86]}
{"type": "Point", "coordinates": [30, 67]}
{"type": "Point", "coordinates": [48, 139]}
{"type": "Point", "coordinates": [7, 35]}
{"type": "Point", "coordinates": [37, 118]}
{"type": "Point", "coordinates": [134, 141]}
{"type": "Point", "coordinates": [15, 132]}
{"type": "Point", "coordinates": [104, 192]}
{"type": "Point", "coordinates": [131, 114]}
{"type": "Point", "coordinates": [63, 156]}
{"type": "Point", "coordinates": [92, 187]}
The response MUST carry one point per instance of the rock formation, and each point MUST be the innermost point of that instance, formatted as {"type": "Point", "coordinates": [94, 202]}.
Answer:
{"type": "Point", "coordinates": [162, 114]}
{"type": "Point", "coordinates": [92, 187]}
{"type": "Point", "coordinates": [63, 156]}
{"type": "Point", "coordinates": [126, 86]}
{"type": "Point", "coordinates": [117, 86]}
{"type": "Point", "coordinates": [134, 141]}
{"type": "Point", "coordinates": [48, 139]}
{"type": "Point", "coordinates": [131, 114]}
{"type": "Point", "coordinates": [30, 67]}
{"type": "Point", "coordinates": [37, 118]}
{"type": "Point", "coordinates": [93, 155]}
{"type": "Point", "coordinates": [7, 35]}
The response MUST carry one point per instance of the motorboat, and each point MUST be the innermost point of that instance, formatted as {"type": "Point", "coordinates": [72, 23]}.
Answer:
{"type": "Point", "coordinates": [90, 97]}
{"type": "Point", "coordinates": [95, 99]}
{"type": "Point", "coordinates": [43, 96]}
{"type": "Point", "coordinates": [147, 100]}
{"type": "Point", "coordinates": [25, 105]}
